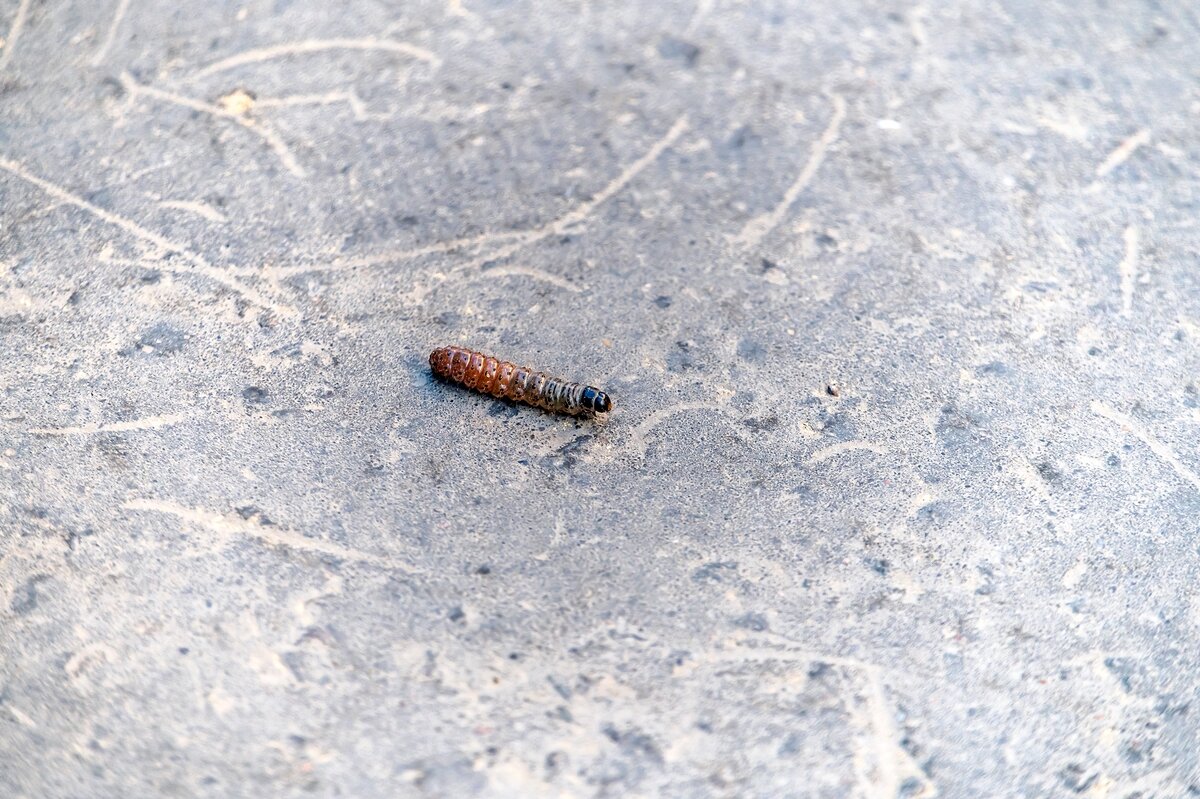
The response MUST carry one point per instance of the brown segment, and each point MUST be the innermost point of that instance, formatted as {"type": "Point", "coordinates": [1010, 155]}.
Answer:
{"type": "Point", "coordinates": [504, 379]}
{"type": "Point", "coordinates": [490, 375]}
{"type": "Point", "coordinates": [519, 384]}
{"type": "Point", "coordinates": [490, 367]}
{"type": "Point", "coordinates": [458, 365]}
{"type": "Point", "coordinates": [474, 370]}
{"type": "Point", "coordinates": [539, 389]}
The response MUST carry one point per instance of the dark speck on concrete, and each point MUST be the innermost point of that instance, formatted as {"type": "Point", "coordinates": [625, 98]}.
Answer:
{"type": "Point", "coordinates": [162, 338]}
{"type": "Point", "coordinates": [749, 349]}
{"type": "Point", "coordinates": [839, 425]}
{"type": "Point", "coordinates": [716, 571]}
{"type": "Point", "coordinates": [683, 357]}
{"type": "Point", "coordinates": [762, 424]}
{"type": "Point", "coordinates": [680, 49]}
{"type": "Point", "coordinates": [956, 427]}
{"type": "Point", "coordinates": [755, 622]}
{"type": "Point", "coordinates": [1049, 473]}
{"type": "Point", "coordinates": [635, 742]}
{"type": "Point", "coordinates": [1077, 778]}
{"type": "Point", "coordinates": [25, 598]}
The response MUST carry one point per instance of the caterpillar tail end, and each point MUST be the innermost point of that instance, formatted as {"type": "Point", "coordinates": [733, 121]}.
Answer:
{"type": "Point", "coordinates": [439, 362]}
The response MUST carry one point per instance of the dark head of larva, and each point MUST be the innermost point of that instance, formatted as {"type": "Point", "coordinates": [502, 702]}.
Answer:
{"type": "Point", "coordinates": [595, 400]}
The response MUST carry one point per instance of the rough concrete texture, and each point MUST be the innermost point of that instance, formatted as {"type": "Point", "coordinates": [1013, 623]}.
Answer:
{"type": "Point", "coordinates": [899, 305]}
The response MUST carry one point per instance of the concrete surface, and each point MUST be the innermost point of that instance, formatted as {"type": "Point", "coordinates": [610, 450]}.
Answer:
{"type": "Point", "coordinates": [899, 305]}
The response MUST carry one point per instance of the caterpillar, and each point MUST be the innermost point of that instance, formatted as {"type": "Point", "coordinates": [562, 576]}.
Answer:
{"type": "Point", "coordinates": [499, 378]}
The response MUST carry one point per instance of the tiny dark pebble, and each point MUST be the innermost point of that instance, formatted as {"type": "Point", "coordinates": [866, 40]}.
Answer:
{"type": "Point", "coordinates": [671, 47]}
{"type": "Point", "coordinates": [879, 565]}
{"type": "Point", "coordinates": [762, 425]}
{"type": "Point", "coordinates": [755, 622]}
{"type": "Point", "coordinates": [1049, 473]}
{"type": "Point", "coordinates": [162, 338]}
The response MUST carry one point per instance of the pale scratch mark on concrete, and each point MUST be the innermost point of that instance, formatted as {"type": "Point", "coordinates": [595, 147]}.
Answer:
{"type": "Point", "coordinates": [317, 46]}
{"type": "Point", "coordinates": [1128, 270]}
{"type": "Point", "coordinates": [758, 227]}
{"type": "Point", "coordinates": [355, 103]}
{"type": "Point", "coordinates": [17, 715]}
{"type": "Point", "coordinates": [1073, 575]}
{"type": "Point", "coordinates": [468, 243]}
{"type": "Point", "coordinates": [80, 666]}
{"type": "Point", "coordinates": [916, 27]}
{"type": "Point", "coordinates": [198, 208]}
{"type": "Point", "coordinates": [259, 128]}
{"type": "Point", "coordinates": [514, 241]}
{"type": "Point", "coordinates": [50, 207]}
{"type": "Point", "coordinates": [14, 32]}
{"type": "Point", "coordinates": [701, 12]}
{"type": "Point", "coordinates": [199, 265]}
{"type": "Point", "coordinates": [1157, 447]}
{"type": "Point", "coordinates": [1069, 128]}
{"type": "Point", "coordinates": [106, 45]}
{"type": "Point", "coordinates": [272, 535]}
{"type": "Point", "coordinates": [1015, 127]}
{"type": "Point", "coordinates": [833, 451]}
{"type": "Point", "coordinates": [893, 766]}
{"type": "Point", "coordinates": [1123, 151]}
{"type": "Point", "coordinates": [530, 272]}
{"type": "Point", "coordinates": [584, 210]}
{"type": "Point", "coordinates": [455, 8]}
{"type": "Point", "coordinates": [148, 423]}
{"type": "Point", "coordinates": [636, 440]}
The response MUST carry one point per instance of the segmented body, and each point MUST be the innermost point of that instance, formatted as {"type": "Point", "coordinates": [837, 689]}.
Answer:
{"type": "Point", "coordinates": [518, 383]}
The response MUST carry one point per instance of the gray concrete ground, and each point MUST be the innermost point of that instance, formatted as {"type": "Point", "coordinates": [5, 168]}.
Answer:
{"type": "Point", "coordinates": [899, 305]}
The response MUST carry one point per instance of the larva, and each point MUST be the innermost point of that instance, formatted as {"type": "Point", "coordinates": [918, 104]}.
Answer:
{"type": "Point", "coordinates": [518, 383]}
